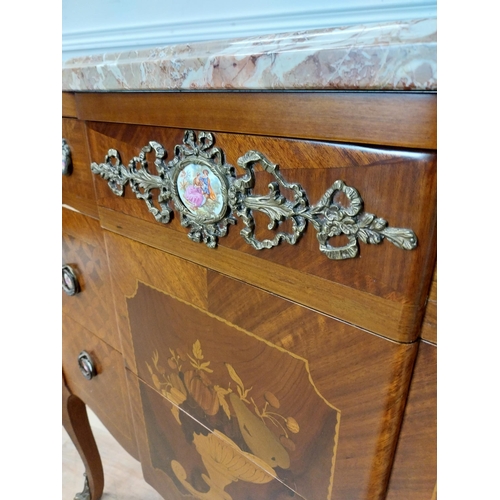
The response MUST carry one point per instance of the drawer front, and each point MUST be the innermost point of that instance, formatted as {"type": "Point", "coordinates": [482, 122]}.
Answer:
{"type": "Point", "coordinates": [84, 251]}
{"type": "Point", "coordinates": [106, 391]}
{"type": "Point", "coordinates": [78, 187]}
{"type": "Point", "coordinates": [335, 253]}
{"type": "Point", "coordinates": [307, 405]}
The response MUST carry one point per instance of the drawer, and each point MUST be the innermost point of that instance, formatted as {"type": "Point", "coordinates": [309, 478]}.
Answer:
{"type": "Point", "coordinates": [414, 474]}
{"type": "Point", "coordinates": [106, 393]}
{"type": "Point", "coordinates": [358, 276]}
{"type": "Point", "coordinates": [84, 251]}
{"type": "Point", "coordinates": [77, 187]}
{"type": "Point", "coordinates": [312, 402]}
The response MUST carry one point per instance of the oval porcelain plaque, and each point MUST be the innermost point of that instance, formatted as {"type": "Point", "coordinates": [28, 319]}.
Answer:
{"type": "Point", "coordinates": [201, 192]}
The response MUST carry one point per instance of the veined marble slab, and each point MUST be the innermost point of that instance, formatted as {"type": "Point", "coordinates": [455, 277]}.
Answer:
{"type": "Point", "coordinates": [390, 56]}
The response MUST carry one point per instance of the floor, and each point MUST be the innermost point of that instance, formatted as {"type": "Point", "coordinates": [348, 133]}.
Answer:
{"type": "Point", "coordinates": [122, 473]}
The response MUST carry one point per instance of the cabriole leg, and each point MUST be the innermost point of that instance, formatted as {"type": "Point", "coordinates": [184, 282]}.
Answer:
{"type": "Point", "coordinates": [76, 423]}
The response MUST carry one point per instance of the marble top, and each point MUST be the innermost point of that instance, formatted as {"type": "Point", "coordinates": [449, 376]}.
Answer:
{"type": "Point", "coordinates": [389, 56]}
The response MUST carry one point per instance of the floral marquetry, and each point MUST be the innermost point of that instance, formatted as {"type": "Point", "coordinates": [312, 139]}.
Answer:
{"type": "Point", "coordinates": [228, 414]}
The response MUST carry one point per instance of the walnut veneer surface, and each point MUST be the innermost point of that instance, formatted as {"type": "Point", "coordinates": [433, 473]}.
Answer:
{"type": "Point", "coordinates": [232, 372]}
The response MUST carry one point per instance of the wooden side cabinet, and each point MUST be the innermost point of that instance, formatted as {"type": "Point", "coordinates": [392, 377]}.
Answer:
{"type": "Point", "coordinates": [254, 273]}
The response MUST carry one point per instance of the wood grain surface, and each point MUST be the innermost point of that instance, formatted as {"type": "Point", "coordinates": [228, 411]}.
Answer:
{"type": "Point", "coordinates": [106, 394]}
{"type": "Point", "coordinates": [69, 105]}
{"type": "Point", "coordinates": [365, 310]}
{"type": "Point", "coordinates": [157, 478]}
{"type": "Point", "coordinates": [362, 375]}
{"type": "Point", "coordinates": [130, 261]}
{"type": "Point", "coordinates": [415, 466]}
{"type": "Point", "coordinates": [394, 119]}
{"type": "Point", "coordinates": [84, 250]}
{"type": "Point", "coordinates": [429, 325]}
{"type": "Point", "coordinates": [78, 188]}
{"type": "Point", "coordinates": [398, 186]}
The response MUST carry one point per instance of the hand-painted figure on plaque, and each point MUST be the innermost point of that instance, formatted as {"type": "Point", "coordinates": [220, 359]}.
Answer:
{"type": "Point", "coordinates": [205, 185]}
{"type": "Point", "coordinates": [200, 191]}
{"type": "Point", "coordinates": [194, 195]}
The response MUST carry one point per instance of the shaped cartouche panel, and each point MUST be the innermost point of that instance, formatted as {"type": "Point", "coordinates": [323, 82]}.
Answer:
{"type": "Point", "coordinates": [242, 414]}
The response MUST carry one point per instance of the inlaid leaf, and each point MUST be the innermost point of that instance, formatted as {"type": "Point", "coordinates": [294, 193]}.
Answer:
{"type": "Point", "coordinates": [204, 366]}
{"type": "Point", "coordinates": [221, 394]}
{"type": "Point", "coordinates": [197, 352]}
{"type": "Point", "coordinates": [234, 376]}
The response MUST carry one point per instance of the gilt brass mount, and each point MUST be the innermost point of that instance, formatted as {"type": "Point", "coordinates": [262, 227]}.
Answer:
{"type": "Point", "coordinates": [205, 191]}
{"type": "Point", "coordinates": [85, 494]}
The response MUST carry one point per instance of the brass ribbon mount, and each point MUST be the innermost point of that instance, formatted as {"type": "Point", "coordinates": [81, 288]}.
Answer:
{"type": "Point", "coordinates": [205, 191]}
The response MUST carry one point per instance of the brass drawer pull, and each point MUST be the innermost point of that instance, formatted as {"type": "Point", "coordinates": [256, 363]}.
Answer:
{"type": "Point", "coordinates": [69, 281]}
{"type": "Point", "coordinates": [86, 365]}
{"type": "Point", "coordinates": [67, 164]}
